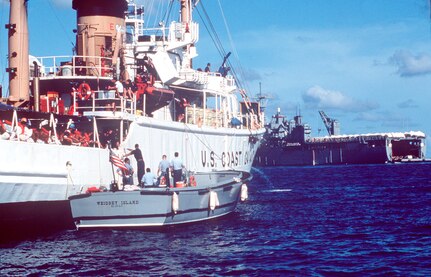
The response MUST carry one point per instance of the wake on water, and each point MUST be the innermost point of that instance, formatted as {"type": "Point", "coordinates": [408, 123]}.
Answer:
{"type": "Point", "coordinates": [267, 180]}
{"type": "Point", "coordinates": [263, 175]}
{"type": "Point", "coordinates": [277, 190]}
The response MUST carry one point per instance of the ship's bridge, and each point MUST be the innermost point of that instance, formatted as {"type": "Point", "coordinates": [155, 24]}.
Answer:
{"type": "Point", "coordinates": [176, 36]}
{"type": "Point", "coordinates": [171, 50]}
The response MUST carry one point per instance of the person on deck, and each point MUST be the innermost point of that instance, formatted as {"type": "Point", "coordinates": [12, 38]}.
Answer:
{"type": "Point", "coordinates": [127, 175]}
{"type": "Point", "coordinates": [24, 131]}
{"type": "Point", "coordinates": [72, 136]}
{"type": "Point", "coordinates": [181, 109]}
{"type": "Point", "coordinates": [208, 67]}
{"type": "Point", "coordinates": [117, 86]}
{"type": "Point", "coordinates": [223, 70]}
{"type": "Point", "coordinates": [163, 170]}
{"type": "Point", "coordinates": [139, 160]}
{"type": "Point", "coordinates": [177, 168]}
{"type": "Point", "coordinates": [149, 179]}
{"type": "Point", "coordinates": [128, 89]}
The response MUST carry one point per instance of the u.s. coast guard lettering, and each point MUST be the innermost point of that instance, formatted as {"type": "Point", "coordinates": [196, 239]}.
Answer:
{"type": "Point", "coordinates": [229, 158]}
{"type": "Point", "coordinates": [115, 203]}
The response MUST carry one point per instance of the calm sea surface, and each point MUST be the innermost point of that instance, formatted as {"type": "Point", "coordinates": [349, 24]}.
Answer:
{"type": "Point", "coordinates": [298, 221]}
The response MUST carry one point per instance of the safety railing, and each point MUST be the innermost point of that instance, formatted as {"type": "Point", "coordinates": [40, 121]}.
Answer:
{"type": "Point", "coordinates": [107, 101]}
{"type": "Point", "coordinates": [220, 118]}
{"type": "Point", "coordinates": [72, 66]}
{"type": "Point", "coordinates": [103, 101]}
{"type": "Point", "coordinates": [209, 79]}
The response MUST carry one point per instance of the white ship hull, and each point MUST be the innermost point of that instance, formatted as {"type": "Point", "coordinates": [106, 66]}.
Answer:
{"type": "Point", "coordinates": [39, 172]}
{"type": "Point", "coordinates": [34, 172]}
{"type": "Point", "coordinates": [203, 149]}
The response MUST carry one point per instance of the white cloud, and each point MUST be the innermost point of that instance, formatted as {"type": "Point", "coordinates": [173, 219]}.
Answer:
{"type": "Point", "coordinates": [410, 65]}
{"type": "Point", "coordinates": [319, 97]}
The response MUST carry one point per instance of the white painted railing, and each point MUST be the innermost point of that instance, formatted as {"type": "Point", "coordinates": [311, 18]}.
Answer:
{"type": "Point", "coordinates": [52, 66]}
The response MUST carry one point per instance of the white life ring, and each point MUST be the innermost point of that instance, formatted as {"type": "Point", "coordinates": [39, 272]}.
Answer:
{"type": "Point", "coordinates": [84, 91]}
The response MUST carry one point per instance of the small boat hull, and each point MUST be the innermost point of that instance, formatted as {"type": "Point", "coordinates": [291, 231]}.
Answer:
{"type": "Point", "coordinates": [152, 207]}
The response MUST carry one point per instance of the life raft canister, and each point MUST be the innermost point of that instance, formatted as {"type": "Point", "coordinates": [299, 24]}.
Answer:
{"type": "Point", "coordinates": [92, 189]}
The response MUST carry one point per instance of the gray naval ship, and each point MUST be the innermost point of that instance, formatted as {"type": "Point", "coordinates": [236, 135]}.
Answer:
{"type": "Point", "coordinates": [289, 142]}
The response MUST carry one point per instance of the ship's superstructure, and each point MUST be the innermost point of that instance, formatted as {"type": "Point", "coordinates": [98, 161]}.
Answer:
{"type": "Point", "coordinates": [290, 143]}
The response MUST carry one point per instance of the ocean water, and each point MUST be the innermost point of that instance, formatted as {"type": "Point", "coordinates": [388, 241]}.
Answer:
{"type": "Point", "coordinates": [366, 220]}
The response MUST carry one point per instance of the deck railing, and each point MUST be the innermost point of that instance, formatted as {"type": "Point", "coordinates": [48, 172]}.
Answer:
{"type": "Point", "coordinates": [220, 118]}
{"type": "Point", "coordinates": [52, 66]}
{"type": "Point", "coordinates": [105, 100]}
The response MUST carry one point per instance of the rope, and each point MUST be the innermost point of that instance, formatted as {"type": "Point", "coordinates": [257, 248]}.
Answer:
{"type": "Point", "coordinates": [167, 15]}
{"type": "Point", "coordinates": [69, 177]}
{"type": "Point", "coordinates": [232, 44]}
{"type": "Point", "coordinates": [206, 144]}
{"type": "Point", "coordinates": [218, 44]}
{"type": "Point", "coordinates": [60, 22]}
{"type": "Point", "coordinates": [211, 31]}
{"type": "Point", "coordinates": [158, 7]}
{"type": "Point", "coordinates": [187, 137]}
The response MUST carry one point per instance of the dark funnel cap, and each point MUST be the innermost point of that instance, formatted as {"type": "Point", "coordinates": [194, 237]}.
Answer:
{"type": "Point", "coordinates": [100, 7]}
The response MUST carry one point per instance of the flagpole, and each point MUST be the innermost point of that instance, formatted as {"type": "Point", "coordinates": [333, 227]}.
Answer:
{"type": "Point", "coordinates": [112, 165]}
{"type": "Point", "coordinates": [114, 159]}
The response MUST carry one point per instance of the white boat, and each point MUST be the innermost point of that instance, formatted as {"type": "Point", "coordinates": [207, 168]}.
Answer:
{"type": "Point", "coordinates": [217, 195]}
{"type": "Point", "coordinates": [214, 132]}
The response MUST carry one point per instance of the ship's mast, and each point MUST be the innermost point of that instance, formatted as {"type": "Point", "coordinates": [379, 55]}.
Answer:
{"type": "Point", "coordinates": [18, 53]}
{"type": "Point", "coordinates": [262, 99]}
{"type": "Point", "coordinates": [186, 13]}
{"type": "Point", "coordinates": [186, 20]}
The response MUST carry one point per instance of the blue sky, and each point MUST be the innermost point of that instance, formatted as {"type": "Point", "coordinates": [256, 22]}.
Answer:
{"type": "Point", "coordinates": [366, 63]}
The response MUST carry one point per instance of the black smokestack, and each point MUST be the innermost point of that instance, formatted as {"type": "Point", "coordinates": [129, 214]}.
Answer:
{"type": "Point", "coordinates": [100, 7]}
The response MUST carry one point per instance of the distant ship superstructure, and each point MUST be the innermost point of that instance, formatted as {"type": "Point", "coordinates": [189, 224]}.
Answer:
{"type": "Point", "coordinates": [290, 143]}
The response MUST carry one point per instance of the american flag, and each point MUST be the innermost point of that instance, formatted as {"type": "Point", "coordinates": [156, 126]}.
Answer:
{"type": "Point", "coordinates": [115, 160]}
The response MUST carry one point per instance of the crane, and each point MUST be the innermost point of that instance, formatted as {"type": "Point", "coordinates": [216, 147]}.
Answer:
{"type": "Point", "coordinates": [332, 125]}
